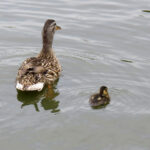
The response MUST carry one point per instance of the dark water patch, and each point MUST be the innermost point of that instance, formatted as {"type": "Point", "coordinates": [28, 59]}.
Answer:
{"type": "Point", "coordinates": [128, 61]}
{"type": "Point", "coordinates": [148, 11]}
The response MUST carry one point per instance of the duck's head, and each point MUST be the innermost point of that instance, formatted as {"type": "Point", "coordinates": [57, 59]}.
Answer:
{"type": "Point", "coordinates": [49, 29]}
{"type": "Point", "coordinates": [104, 91]}
{"type": "Point", "coordinates": [50, 26]}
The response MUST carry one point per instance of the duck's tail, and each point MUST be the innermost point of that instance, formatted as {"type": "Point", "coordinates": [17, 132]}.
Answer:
{"type": "Point", "coordinates": [34, 87]}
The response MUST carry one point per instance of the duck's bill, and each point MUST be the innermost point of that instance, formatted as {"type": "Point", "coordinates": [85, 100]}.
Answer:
{"type": "Point", "coordinates": [57, 28]}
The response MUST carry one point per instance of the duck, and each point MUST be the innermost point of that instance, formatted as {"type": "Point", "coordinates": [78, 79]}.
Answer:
{"type": "Point", "coordinates": [100, 99]}
{"type": "Point", "coordinates": [44, 69]}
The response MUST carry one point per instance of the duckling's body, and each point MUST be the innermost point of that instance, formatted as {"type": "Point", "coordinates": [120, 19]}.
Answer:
{"type": "Point", "coordinates": [35, 72]}
{"type": "Point", "coordinates": [100, 99]}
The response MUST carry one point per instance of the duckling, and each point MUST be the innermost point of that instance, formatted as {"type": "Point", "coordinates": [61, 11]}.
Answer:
{"type": "Point", "coordinates": [100, 99]}
{"type": "Point", "coordinates": [43, 69]}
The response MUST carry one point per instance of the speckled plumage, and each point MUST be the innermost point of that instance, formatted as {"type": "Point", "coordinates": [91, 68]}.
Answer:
{"type": "Point", "coordinates": [44, 68]}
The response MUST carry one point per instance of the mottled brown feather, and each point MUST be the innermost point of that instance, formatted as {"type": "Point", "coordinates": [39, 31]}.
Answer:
{"type": "Point", "coordinates": [49, 73]}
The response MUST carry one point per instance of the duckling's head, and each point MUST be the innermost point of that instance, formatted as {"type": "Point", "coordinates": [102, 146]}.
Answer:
{"type": "Point", "coordinates": [104, 91]}
{"type": "Point", "coordinates": [49, 29]}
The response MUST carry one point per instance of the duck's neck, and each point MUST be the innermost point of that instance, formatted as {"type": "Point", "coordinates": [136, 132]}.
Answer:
{"type": "Point", "coordinates": [47, 44]}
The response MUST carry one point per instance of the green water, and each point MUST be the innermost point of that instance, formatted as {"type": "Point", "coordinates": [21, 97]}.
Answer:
{"type": "Point", "coordinates": [101, 43]}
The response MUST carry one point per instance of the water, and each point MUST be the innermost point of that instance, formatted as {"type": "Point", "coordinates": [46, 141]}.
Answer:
{"type": "Point", "coordinates": [101, 43]}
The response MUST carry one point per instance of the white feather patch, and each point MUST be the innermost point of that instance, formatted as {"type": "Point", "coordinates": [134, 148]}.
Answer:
{"type": "Point", "coordinates": [35, 87]}
{"type": "Point", "coordinates": [19, 86]}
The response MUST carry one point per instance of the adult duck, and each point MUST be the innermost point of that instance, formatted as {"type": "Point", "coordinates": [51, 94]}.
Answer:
{"type": "Point", "coordinates": [35, 72]}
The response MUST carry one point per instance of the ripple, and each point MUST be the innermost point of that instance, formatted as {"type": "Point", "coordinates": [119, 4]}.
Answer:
{"type": "Point", "coordinates": [97, 43]}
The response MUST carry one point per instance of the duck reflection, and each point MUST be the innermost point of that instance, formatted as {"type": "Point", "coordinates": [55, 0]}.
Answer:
{"type": "Point", "coordinates": [46, 96]}
{"type": "Point", "coordinates": [49, 102]}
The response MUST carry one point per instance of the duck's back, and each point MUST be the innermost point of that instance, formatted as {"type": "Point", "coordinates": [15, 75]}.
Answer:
{"type": "Point", "coordinates": [35, 72]}
{"type": "Point", "coordinates": [97, 100]}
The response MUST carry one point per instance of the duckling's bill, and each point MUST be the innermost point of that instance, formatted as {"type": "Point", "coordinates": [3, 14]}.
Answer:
{"type": "Point", "coordinates": [105, 92]}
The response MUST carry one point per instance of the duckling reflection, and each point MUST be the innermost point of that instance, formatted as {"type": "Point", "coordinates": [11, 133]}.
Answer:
{"type": "Point", "coordinates": [46, 96]}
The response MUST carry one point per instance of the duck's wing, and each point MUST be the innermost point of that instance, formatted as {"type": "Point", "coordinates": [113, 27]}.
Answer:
{"type": "Point", "coordinates": [30, 75]}
{"type": "Point", "coordinates": [27, 65]}
{"type": "Point", "coordinates": [95, 100]}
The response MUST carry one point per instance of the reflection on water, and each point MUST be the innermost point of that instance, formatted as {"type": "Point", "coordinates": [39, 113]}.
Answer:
{"type": "Point", "coordinates": [98, 41]}
{"type": "Point", "coordinates": [99, 107]}
{"type": "Point", "coordinates": [46, 96]}
{"type": "Point", "coordinates": [49, 102]}
{"type": "Point", "coordinates": [146, 11]}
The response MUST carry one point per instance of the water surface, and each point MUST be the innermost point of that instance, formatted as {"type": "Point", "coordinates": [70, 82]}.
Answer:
{"type": "Point", "coordinates": [101, 43]}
